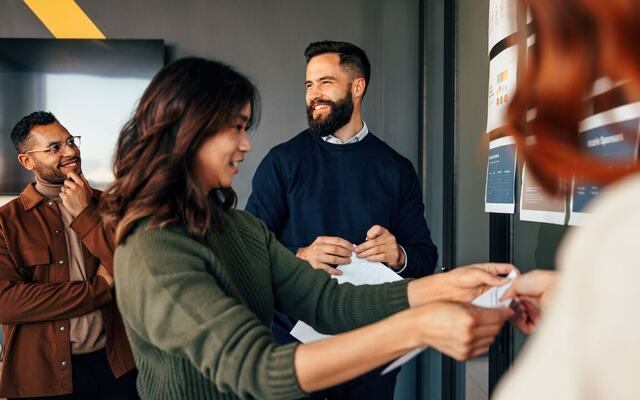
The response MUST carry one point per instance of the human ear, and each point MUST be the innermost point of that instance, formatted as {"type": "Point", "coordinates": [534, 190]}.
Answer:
{"type": "Point", "coordinates": [358, 87]}
{"type": "Point", "coordinates": [26, 161]}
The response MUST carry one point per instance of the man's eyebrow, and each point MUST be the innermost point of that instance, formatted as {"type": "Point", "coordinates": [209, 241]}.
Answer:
{"type": "Point", "coordinates": [58, 141]}
{"type": "Point", "coordinates": [326, 77]}
{"type": "Point", "coordinates": [52, 143]}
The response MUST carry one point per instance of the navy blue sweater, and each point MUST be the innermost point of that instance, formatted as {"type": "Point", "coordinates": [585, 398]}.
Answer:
{"type": "Point", "coordinates": [306, 188]}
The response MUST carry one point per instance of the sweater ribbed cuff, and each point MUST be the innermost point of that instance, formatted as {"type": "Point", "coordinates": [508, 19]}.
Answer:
{"type": "Point", "coordinates": [396, 296]}
{"type": "Point", "coordinates": [283, 382]}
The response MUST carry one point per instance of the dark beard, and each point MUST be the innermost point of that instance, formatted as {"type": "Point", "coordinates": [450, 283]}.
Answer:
{"type": "Point", "coordinates": [49, 174]}
{"type": "Point", "coordinates": [339, 116]}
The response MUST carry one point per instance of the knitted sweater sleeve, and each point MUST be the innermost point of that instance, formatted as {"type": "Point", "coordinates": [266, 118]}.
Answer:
{"type": "Point", "coordinates": [268, 199]}
{"type": "Point", "coordinates": [411, 229]}
{"type": "Point", "coordinates": [169, 298]}
{"type": "Point", "coordinates": [312, 296]}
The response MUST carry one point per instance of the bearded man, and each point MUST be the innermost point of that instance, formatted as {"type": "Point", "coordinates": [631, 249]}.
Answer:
{"type": "Point", "coordinates": [336, 189]}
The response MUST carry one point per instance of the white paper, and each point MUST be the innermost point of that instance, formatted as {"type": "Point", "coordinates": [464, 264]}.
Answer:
{"type": "Point", "coordinates": [359, 272]}
{"type": "Point", "coordinates": [499, 192]}
{"type": "Point", "coordinates": [502, 85]}
{"type": "Point", "coordinates": [489, 299]}
{"type": "Point", "coordinates": [363, 272]}
{"type": "Point", "coordinates": [502, 21]}
{"type": "Point", "coordinates": [306, 334]}
{"type": "Point", "coordinates": [403, 360]}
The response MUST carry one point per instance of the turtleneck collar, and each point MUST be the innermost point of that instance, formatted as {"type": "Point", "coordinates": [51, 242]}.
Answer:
{"type": "Point", "coordinates": [48, 190]}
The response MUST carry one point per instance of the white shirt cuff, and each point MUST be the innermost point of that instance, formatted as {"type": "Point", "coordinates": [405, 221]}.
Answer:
{"type": "Point", "coordinates": [405, 260]}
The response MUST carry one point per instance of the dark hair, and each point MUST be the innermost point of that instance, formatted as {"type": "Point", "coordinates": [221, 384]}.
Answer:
{"type": "Point", "coordinates": [20, 132]}
{"type": "Point", "coordinates": [186, 102]}
{"type": "Point", "coordinates": [352, 57]}
{"type": "Point", "coordinates": [577, 41]}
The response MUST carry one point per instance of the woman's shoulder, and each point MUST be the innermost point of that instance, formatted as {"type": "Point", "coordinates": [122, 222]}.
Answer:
{"type": "Point", "coordinates": [245, 220]}
{"type": "Point", "coordinates": [145, 237]}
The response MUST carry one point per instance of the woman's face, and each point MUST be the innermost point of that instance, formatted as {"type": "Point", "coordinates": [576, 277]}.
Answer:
{"type": "Point", "coordinates": [218, 157]}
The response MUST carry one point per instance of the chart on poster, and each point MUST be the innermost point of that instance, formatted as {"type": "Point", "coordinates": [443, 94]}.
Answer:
{"type": "Point", "coordinates": [502, 86]}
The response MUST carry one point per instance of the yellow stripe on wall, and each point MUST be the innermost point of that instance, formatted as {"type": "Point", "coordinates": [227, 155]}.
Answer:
{"type": "Point", "coordinates": [64, 19]}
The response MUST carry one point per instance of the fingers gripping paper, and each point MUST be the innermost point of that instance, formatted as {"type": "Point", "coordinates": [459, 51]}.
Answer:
{"type": "Point", "coordinates": [489, 299]}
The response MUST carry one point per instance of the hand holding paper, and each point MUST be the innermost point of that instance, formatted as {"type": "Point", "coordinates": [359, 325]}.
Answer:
{"type": "Point", "coordinates": [532, 291]}
{"type": "Point", "coordinates": [491, 300]}
{"type": "Point", "coordinates": [381, 246]}
{"type": "Point", "coordinates": [457, 329]}
{"type": "Point", "coordinates": [462, 284]}
{"type": "Point", "coordinates": [326, 251]}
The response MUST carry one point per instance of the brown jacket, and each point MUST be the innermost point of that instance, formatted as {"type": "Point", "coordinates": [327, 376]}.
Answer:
{"type": "Point", "coordinates": [37, 299]}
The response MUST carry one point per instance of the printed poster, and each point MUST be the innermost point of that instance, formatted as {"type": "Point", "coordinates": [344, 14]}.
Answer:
{"type": "Point", "coordinates": [611, 136]}
{"type": "Point", "coordinates": [536, 205]}
{"type": "Point", "coordinates": [501, 176]}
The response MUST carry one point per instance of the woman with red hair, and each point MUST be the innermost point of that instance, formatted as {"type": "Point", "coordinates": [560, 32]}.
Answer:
{"type": "Point", "coordinates": [586, 345]}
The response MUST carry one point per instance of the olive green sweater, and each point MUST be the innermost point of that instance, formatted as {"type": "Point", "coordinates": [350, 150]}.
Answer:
{"type": "Point", "coordinates": [198, 315]}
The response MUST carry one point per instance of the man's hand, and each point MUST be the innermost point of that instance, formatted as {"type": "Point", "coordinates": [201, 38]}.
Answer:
{"type": "Point", "coordinates": [532, 291]}
{"type": "Point", "coordinates": [381, 246]}
{"type": "Point", "coordinates": [75, 194]}
{"type": "Point", "coordinates": [326, 251]}
{"type": "Point", "coordinates": [104, 274]}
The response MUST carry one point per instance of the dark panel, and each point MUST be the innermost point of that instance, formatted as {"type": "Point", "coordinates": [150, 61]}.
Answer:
{"type": "Point", "coordinates": [449, 169]}
{"type": "Point", "coordinates": [106, 58]}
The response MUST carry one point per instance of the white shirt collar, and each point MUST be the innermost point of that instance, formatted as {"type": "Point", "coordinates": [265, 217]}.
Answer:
{"type": "Point", "coordinates": [357, 138]}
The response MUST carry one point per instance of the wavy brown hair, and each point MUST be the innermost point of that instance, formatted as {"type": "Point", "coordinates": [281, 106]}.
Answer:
{"type": "Point", "coordinates": [186, 102]}
{"type": "Point", "coordinates": [576, 42]}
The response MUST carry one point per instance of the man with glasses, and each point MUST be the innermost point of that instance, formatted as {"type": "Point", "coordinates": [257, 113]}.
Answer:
{"type": "Point", "coordinates": [64, 336]}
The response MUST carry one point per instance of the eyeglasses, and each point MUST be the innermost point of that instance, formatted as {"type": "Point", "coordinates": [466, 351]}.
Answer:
{"type": "Point", "coordinates": [73, 142]}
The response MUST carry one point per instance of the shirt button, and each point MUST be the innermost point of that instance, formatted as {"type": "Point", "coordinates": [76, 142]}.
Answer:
{"type": "Point", "coordinates": [61, 262]}
{"type": "Point", "coordinates": [50, 203]}
{"type": "Point", "coordinates": [63, 364]}
{"type": "Point", "coordinates": [58, 231]}
{"type": "Point", "coordinates": [62, 328]}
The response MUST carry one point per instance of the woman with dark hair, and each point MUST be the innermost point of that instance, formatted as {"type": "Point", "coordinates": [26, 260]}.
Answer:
{"type": "Point", "coordinates": [197, 281]}
{"type": "Point", "coordinates": [587, 344]}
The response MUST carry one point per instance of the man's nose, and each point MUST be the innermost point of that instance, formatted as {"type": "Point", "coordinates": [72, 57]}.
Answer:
{"type": "Point", "coordinates": [69, 151]}
{"type": "Point", "coordinates": [312, 95]}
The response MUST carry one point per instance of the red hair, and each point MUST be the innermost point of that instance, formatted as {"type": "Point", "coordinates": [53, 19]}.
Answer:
{"type": "Point", "coordinates": [576, 42]}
